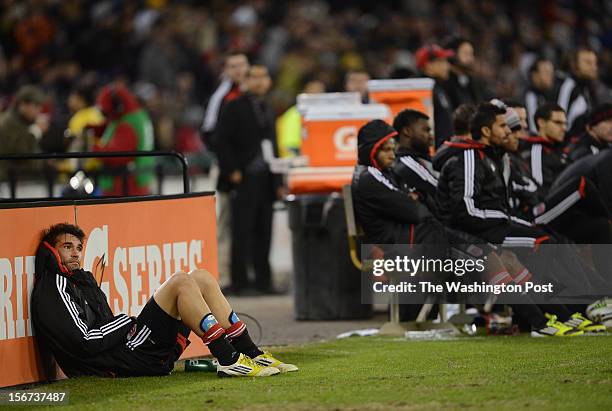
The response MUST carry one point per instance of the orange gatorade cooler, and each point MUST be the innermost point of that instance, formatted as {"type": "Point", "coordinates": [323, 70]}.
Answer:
{"type": "Point", "coordinates": [329, 133]}
{"type": "Point", "coordinates": [415, 93]}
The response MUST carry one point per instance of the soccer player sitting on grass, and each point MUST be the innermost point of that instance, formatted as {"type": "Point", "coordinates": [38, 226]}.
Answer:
{"type": "Point", "coordinates": [72, 318]}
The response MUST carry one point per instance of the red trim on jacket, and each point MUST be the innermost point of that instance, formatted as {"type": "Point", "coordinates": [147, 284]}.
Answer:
{"type": "Point", "coordinates": [411, 235]}
{"type": "Point", "coordinates": [581, 187]}
{"type": "Point", "coordinates": [59, 260]}
{"type": "Point", "coordinates": [377, 146]}
{"type": "Point", "coordinates": [467, 144]}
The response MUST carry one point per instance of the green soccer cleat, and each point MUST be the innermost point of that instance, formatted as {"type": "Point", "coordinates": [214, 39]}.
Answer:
{"type": "Point", "coordinates": [266, 359]}
{"type": "Point", "coordinates": [245, 367]}
{"type": "Point", "coordinates": [556, 328]}
{"type": "Point", "coordinates": [580, 322]}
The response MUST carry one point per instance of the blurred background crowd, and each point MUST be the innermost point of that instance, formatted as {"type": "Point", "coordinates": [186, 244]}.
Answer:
{"type": "Point", "coordinates": [170, 53]}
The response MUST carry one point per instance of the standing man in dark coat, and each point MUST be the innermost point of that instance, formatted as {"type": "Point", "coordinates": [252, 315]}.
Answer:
{"type": "Point", "coordinates": [462, 86]}
{"type": "Point", "coordinates": [541, 88]}
{"type": "Point", "coordinates": [432, 60]}
{"type": "Point", "coordinates": [247, 139]}
{"type": "Point", "coordinates": [581, 91]}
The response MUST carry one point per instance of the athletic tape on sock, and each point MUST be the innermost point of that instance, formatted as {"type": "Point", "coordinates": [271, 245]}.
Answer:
{"type": "Point", "coordinates": [208, 322]}
{"type": "Point", "coordinates": [233, 318]}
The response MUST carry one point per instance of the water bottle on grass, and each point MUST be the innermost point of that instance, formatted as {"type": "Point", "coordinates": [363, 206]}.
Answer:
{"type": "Point", "coordinates": [200, 365]}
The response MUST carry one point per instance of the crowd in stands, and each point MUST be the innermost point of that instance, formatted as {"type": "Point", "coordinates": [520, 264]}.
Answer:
{"type": "Point", "coordinates": [171, 53]}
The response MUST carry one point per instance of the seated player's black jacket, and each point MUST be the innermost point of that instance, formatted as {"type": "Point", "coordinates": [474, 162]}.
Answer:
{"type": "Point", "coordinates": [72, 320]}
{"type": "Point", "coordinates": [386, 213]}
{"type": "Point", "coordinates": [525, 197]}
{"type": "Point", "coordinates": [596, 170]}
{"type": "Point", "coordinates": [586, 145]}
{"type": "Point", "coordinates": [544, 160]}
{"type": "Point", "coordinates": [523, 191]}
{"type": "Point", "coordinates": [472, 195]}
{"type": "Point", "coordinates": [415, 173]}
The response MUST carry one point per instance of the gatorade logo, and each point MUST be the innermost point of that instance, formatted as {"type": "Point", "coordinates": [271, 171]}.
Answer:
{"type": "Point", "coordinates": [345, 141]}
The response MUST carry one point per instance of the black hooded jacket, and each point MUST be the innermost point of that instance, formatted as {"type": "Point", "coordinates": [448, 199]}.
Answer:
{"type": "Point", "coordinates": [585, 146]}
{"type": "Point", "coordinates": [385, 212]}
{"type": "Point", "coordinates": [544, 161]}
{"type": "Point", "coordinates": [472, 194]}
{"type": "Point", "coordinates": [597, 170]}
{"type": "Point", "coordinates": [72, 319]}
{"type": "Point", "coordinates": [415, 173]}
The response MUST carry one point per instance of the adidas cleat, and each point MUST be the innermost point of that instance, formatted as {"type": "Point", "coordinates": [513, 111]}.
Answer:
{"type": "Point", "coordinates": [579, 322]}
{"type": "Point", "coordinates": [601, 311]}
{"type": "Point", "coordinates": [556, 328]}
{"type": "Point", "coordinates": [266, 359]}
{"type": "Point", "coordinates": [245, 367]}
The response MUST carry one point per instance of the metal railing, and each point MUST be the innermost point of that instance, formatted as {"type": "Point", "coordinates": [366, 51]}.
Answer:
{"type": "Point", "coordinates": [122, 171]}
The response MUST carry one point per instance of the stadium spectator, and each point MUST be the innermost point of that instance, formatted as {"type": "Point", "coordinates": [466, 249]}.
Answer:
{"type": "Point", "coordinates": [232, 86]}
{"type": "Point", "coordinates": [357, 81]}
{"type": "Point", "coordinates": [247, 141]}
{"type": "Point", "coordinates": [21, 128]}
{"type": "Point", "coordinates": [598, 135]}
{"type": "Point", "coordinates": [128, 128]}
{"type": "Point", "coordinates": [289, 124]}
{"type": "Point", "coordinates": [544, 154]}
{"type": "Point", "coordinates": [578, 93]}
{"type": "Point", "coordinates": [432, 61]}
{"type": "Point", "coordinates": [540, 90]}
{"type": "Point", "coordinates": [462, 87]}
{"type": "Point", "coordinates": [85, 115]}
{"type": "Point", "coordinates": [72, 319]}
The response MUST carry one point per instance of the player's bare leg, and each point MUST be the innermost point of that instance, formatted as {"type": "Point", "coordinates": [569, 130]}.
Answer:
{"type": "Point", "coordinates": [235, 329]}
{"type": "Point", "coordinates": [180, 297]}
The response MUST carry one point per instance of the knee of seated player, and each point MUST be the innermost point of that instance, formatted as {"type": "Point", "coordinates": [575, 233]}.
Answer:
{"type": "Point", "coordinates": [181, 280]}
{"type": "Point", "coordinates": [204, 279]}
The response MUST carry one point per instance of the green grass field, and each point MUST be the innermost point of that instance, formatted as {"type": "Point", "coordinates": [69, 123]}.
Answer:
{"type": "Point", "coordinates": [376, 373]}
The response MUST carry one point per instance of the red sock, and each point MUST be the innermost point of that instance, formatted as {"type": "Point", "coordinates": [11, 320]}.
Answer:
{"type": "Point", "coordinates": [522, 276]}
{"type": "Point", "coordinates": [235, 330]}
{"type": "Point", "coordinates": [214, 332]}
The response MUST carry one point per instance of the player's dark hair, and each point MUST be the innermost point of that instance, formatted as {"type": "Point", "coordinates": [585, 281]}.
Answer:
{"type": "Point", "coordinates": [50, 234]}
{"type": "Point", "coordinates": [406, 118]}
{"type": "Point", "coordinates": [535, 66]}
{"type": "Point", "coordinates": [485, 116]}
{"type": "Point", "coordinates": [462, 117]}
{"type": "Point", "coordinates": [545, 111]}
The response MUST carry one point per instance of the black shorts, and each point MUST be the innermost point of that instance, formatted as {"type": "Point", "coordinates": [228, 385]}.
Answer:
{"type": "Point", "coordinates": [155, 343]}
